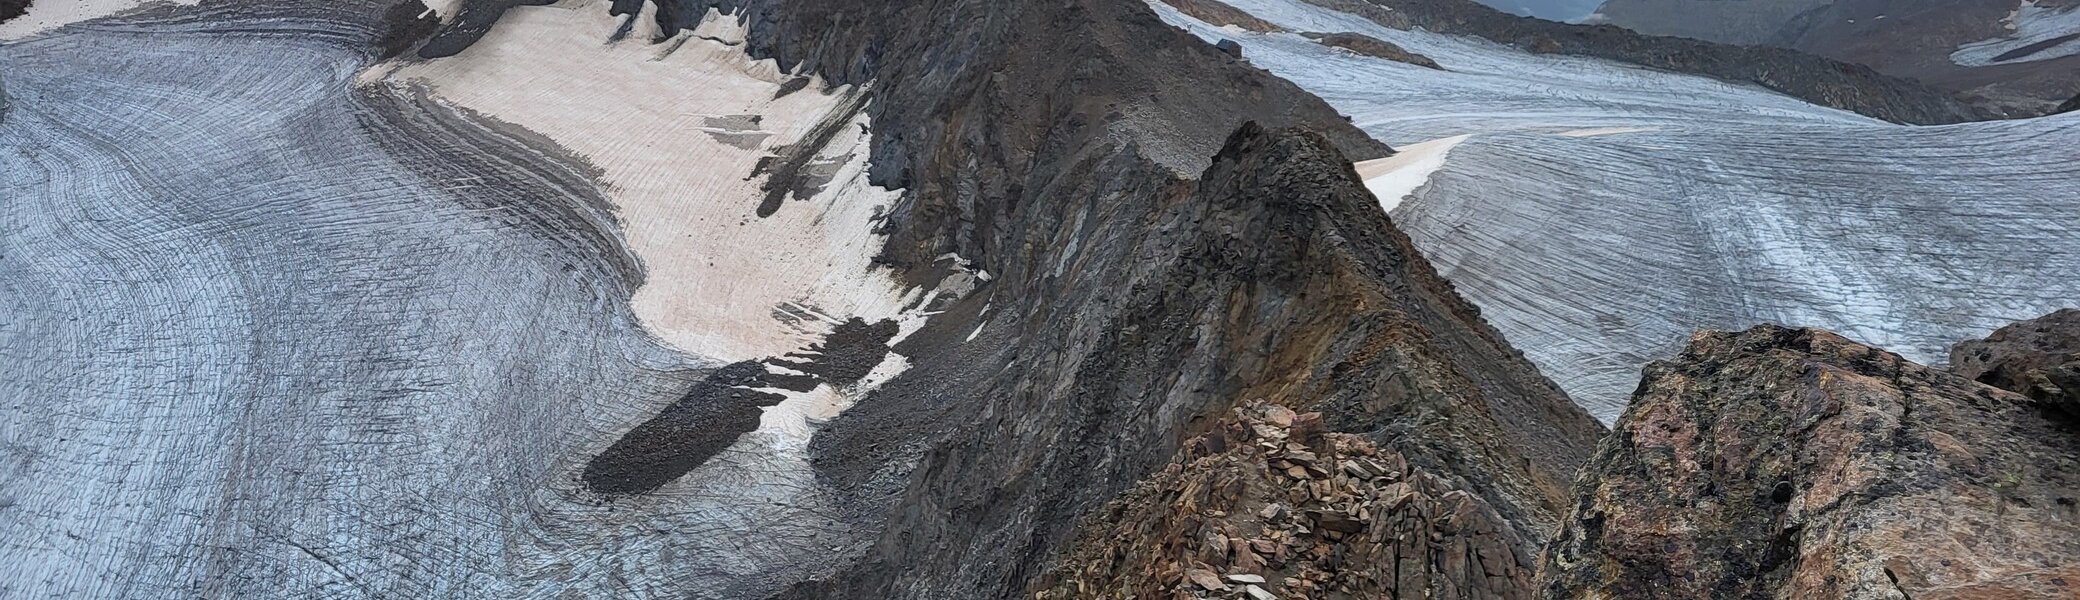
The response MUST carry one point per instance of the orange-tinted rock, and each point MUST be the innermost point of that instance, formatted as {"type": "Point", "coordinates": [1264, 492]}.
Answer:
{"type": "Point", "coordinates": [1794, 463]}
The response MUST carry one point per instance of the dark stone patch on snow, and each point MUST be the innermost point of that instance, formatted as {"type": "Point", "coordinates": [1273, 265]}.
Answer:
{"type": "Point", "coordinates": [9, 9]}
{"type": "Point", "coordinates": [794, 168]}
{"type": "Point", "coordinates": [847, 354]}
{"type": "Point", "coordinates": [403, 24]}
{"type": "Point", "coordinates": [726, 405]}
{"type": "Point", "coordinates": [2036, 47]}
{"type": "Point", "coordinates": [700, 425]}
{"type": "Point", "coordinates": [791, 86]}
{"type": "Point", "coordinates": [469, 25]}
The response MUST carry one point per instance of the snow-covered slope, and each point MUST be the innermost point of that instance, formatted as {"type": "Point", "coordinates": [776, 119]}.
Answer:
{"type": "Point", "coordinates": [1599, 213]}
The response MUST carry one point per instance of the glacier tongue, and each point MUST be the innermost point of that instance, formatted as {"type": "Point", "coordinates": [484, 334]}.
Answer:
{"type": "Point", "coordinates": [1719, 206]}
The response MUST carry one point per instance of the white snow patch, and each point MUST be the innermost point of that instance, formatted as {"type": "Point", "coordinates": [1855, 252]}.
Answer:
{"type": "Point", "coordinates": [45, 15]}
{"type": "Point", "coordinates": [2029, 24]}
{"type": "Point", "coordinates": [665, 124]}
{"type": "Point", "coordinates": [1393, 179]}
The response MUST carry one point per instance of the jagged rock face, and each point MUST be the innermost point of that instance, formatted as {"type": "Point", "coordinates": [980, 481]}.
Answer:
{"type": "Point", "coordinates": [2038, 358]}
{"type": "Point", "coordinates": [1793, 463]}
{"type": "Point", "coordinates": [1266, 504]}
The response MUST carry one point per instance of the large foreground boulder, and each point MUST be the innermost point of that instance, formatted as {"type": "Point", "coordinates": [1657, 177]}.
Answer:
{"type": "Point", "coordinates": [2038, 358]}
{"type": "Point", "coordinates": [1794, 463]}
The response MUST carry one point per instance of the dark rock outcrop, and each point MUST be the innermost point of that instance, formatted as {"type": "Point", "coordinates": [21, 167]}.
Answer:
{"type": "Point", "coordinates": [2038, 358]}
{"type": "Point", "coordinates": [1794, 463]}
{"type": "Point", "coordinates": [1372, 46]}
{"type": "Point", "coordinates": [2069, 106]}
{"type": "Point", "coordinates": [1822, 81]}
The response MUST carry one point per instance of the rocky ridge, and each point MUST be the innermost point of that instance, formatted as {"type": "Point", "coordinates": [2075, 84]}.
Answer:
{"type": "Point", "coordinates": [1922, 40]}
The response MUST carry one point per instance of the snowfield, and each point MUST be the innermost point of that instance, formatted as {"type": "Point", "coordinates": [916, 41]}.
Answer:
{"type": "Point", "coordinates": [1600, 212]}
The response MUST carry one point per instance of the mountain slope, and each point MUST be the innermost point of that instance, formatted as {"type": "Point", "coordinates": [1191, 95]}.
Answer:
{"type": "Point", "coordinates": [2014, 57]}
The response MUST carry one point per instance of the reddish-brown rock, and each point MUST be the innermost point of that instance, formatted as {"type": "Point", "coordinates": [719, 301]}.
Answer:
{"type": "Point", "coordinates": [1794, 463]}
{"type": "Point", "coordinates": [1374, 527]}
{"type": "Point", "coordinates": [2038, 358]}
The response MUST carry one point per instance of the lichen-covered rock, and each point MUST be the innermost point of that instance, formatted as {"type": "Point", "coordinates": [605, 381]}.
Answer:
{"type": "Point", "coordinates": [1794, 463]}
{"type": "Point", "coordinates": [2038, 358]}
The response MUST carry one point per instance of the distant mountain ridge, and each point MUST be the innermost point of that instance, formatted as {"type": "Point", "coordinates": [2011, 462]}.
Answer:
{"type": "Point", "coordinates": [2016, 58]}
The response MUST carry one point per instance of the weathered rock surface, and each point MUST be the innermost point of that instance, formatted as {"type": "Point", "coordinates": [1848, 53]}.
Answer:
{"type": "Point", "coordinates": [1793, 463]}
{"type": "Point", "coordinates": [1267, 498]}
{"type": "Point", "coordinates": [2038, 358]}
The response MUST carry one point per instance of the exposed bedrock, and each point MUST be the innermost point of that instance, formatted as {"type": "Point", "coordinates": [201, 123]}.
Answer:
{"type": "Point", "coordinates": [1794, 463]}
{"type": "Point", "coordinates": [2038, 358]}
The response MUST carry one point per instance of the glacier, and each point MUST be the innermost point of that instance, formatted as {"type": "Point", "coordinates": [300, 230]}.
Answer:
{"type": "Point", "coordinates": [1599, 212]}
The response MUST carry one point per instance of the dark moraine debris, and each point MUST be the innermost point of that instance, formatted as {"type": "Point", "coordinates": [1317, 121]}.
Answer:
{"type": "Point", "coordinates": [846, 355]}
{"type": "Point", "coordinates": [1372, 46]}
{"type": "Point", "coordinates": [703, 423]}
{"type": "Point", "coordinates": [727, 404]}
{"type": "Point", "coordinates": [1794, 463]}
{"type": "Point", "coordinates": [2038, 358]}
{"type": "Point", "coordinates": [795, 169]}
{"type": "Point", "coordinates": [2069, 106]}
{"type": "Point", "coordinates": [2036, 47]}
{"type": "Point", "coordinates": [9, 9]}
{"type": "Point", "coordinates": [404, 24]}
{"type": "Point", "coordinates": [470, 23]}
